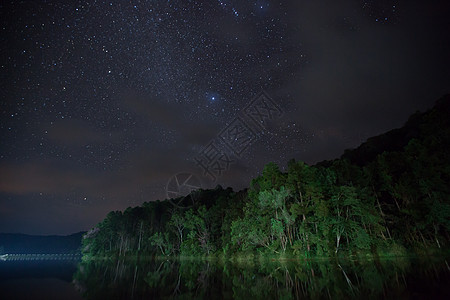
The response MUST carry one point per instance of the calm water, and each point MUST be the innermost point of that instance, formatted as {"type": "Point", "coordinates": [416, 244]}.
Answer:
{"type": "Point", "coordinates": [392, 279]}
{"type": "Point", "coordinates": [38, 280]}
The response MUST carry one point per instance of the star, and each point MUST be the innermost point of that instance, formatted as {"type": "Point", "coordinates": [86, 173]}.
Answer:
{"type": "Point", "coordinates": [103, 91]}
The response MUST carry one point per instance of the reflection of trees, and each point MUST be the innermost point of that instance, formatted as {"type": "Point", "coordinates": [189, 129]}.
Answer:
{"type": "Point", "coordinates": [197, 279]}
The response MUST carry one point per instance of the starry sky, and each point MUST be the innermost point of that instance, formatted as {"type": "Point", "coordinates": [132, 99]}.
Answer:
{"type": "Point", "coordinates": [105, 104]}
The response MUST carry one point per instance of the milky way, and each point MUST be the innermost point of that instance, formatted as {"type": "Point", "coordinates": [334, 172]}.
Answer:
{"type": "Point", "coordinates": [104, 101]}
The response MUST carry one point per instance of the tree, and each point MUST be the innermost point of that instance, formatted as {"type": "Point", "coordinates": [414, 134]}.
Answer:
{"type": "Point", "coordinates": [161, 240]}
{"type": "Point", "coordinates": [282, 220]}
{"type": "Point", "coordinates": [178, 222]}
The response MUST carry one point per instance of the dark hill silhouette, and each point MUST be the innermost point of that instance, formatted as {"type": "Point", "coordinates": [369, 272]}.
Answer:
{"type": "Point", "coordinates": [34, 244]}
{"type": "Point", "coordinates": [419, 126]}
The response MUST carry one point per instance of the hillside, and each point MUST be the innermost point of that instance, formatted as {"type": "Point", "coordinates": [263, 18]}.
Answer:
{"type": "Point", "coordinates": [388, 197]}
{"type": "Point", "coordinates": [418, 126]}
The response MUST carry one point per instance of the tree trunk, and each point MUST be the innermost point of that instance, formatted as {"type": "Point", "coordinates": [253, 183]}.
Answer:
{"type": "Point", "coordinates": [140, 238]}
{"type": "Point", "coordinates": [338, 239]}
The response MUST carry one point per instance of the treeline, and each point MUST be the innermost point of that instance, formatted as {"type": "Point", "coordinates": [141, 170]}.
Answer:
{"type": "Point", "coordinates": [368, 201]}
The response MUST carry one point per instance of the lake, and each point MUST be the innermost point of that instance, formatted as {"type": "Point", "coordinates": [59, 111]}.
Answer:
{"type": "Point", "coordinates": [399, 278]}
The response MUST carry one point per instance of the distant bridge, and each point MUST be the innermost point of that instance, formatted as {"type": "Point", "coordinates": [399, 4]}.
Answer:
{"type": "Point", "coordinates": [22, 257]}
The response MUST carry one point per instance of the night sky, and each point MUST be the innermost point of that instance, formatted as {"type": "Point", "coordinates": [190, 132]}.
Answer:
{"type": "Point", "coordinates": [103, 103]}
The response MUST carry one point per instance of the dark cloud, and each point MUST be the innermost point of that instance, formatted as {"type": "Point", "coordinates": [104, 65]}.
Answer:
{"type": "Point", "coordinates": [75, 133]}
{"type": "Point", "coordinates": [58, 177]}
{"type": "Point", "coordinates": [172, 117]}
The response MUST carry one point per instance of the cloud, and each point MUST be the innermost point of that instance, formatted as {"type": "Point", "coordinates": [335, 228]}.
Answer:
{"type": "Point", "coordinates": [174, 117]}
{"type": "Point", "coordinates": [74, 132]}
{"type": "Point", "coordinates": [39, 177]}
{"type": "Point", "coordinates": [143, 169]}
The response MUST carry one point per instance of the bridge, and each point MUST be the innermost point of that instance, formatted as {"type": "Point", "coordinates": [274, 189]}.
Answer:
{"type": "Point", "coordinates": [23, 257]}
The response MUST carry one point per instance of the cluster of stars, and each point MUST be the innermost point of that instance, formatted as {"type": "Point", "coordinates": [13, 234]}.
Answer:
{"type": "Point", "coordinates": [384, 12]}
{"type": "Point", "coordinates": [70, 72]}
{"type": "Point", "coordinates": [104, 101]}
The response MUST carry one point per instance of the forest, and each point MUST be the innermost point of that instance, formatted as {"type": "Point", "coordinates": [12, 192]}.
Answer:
{"type": "Point", "coordinates": [388, 197]}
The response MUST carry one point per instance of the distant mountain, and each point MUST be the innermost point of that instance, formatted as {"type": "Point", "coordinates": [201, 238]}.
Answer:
{"type": "Point", "coordinates": [34, 244]}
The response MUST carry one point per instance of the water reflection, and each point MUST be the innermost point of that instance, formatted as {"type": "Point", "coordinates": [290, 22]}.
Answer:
{"type": "Point", "coordinates": [37, 279]}
{"type": "Point", "coordinates": [194, 279]}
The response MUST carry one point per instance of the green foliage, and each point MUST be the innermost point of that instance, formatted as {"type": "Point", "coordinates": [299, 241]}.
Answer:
{"type": "Point", "coordinates": [162, 241]}
{"type": "Point", "coordinates": [389, 195]}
